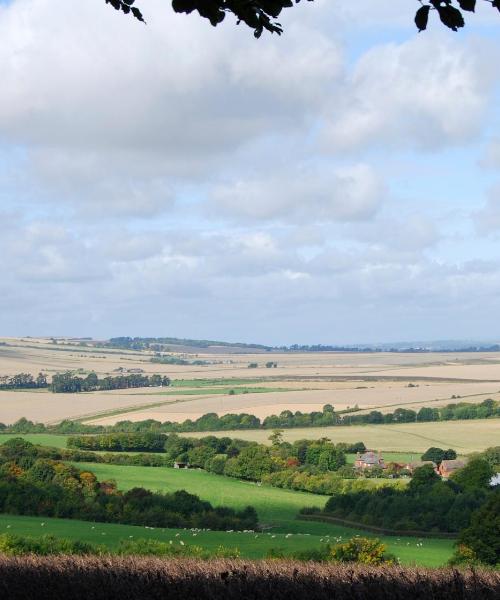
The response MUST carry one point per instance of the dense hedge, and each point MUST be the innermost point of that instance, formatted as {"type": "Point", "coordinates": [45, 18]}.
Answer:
{"type": "Point", "coordinates": [81, 578]}
{"type": "Point", "coordinates": [120, 442]}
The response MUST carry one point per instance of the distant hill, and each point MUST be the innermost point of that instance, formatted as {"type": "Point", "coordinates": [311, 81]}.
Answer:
{"type": "Point", "coordinates": [173, 344]}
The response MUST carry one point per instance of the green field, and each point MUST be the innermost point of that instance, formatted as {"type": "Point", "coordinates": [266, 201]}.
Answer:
{"type": "Point", "coordinates": [432, 553]}
{"type": "Point", "coordinates": [277, 510]}
{"type": "Point", "coordinates": [42, 439]}
{"type": "Point", "coordinates": [414, 438]}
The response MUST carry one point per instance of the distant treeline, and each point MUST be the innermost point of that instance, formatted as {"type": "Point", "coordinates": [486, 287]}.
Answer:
{"type": "Point", "coordinates": [23, 381]}
{"type": "Point", "coordinates": [161, 343]}
{"type": "Point", "coordinates": [71, 383]}
{"type": "Point", "coordinates": [175, 360]}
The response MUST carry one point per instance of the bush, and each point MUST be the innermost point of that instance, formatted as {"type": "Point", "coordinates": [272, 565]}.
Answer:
{"type": "Point", "coordinates": [116, 578]}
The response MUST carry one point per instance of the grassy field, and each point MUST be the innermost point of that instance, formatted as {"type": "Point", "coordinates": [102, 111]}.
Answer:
{"type": "Point", "coordinates": [42, 439]}
{"type": "Point", "coordinates": [463, 436]}
{"type": "Point", "coordinates": [277, 510]}
{"type": "Point", "coordinates": [431, 553]}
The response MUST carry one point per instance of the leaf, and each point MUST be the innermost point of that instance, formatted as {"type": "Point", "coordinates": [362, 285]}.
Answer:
{"type": "Point", "coordinates": [422, 17]}
{"type": "Point", "coordinates": [137, 14]}
{"type": "Point", "coordinates": [451, 17]}
{"type": "Point", "coordinates": [468, 5]}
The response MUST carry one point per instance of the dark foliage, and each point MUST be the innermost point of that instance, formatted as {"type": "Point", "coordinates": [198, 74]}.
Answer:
{"type": "Point", "coordinates": [81, 578]}
{"type": "Point", "coordinates": [482, 537]}
{"type": "Point", "coordinates": [23, 381]}
{"type": "Point", "coordinates": [426, 504]}
{"type": "Point", "coordinates": [71, 383]}
{"type": "Point", "coordinates": [261, 15]}
{"type": "Point", "coordinates": [120, 442]}
{"type": "Point", "coordinates": [31, 484]}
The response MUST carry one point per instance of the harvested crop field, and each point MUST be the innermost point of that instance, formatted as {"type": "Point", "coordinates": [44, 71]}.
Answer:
{"type": "Point", "coordinates": [265, 404]}
{"type": "Point", "coordinates": [59, 578]}
{"type": "Point", "coordinates": [300, 382]}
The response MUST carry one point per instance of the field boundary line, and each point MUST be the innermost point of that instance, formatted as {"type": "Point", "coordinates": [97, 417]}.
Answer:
{"type": "Point", "coordinates": [381, 530]}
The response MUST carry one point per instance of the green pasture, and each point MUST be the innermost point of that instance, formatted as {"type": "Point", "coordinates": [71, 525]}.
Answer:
{"type": "Point", "coordinates": [41, 439]}
{"type": "Point", "coordinates": [277, 509]}
{"type": "Point", "coordinates": [432, 553]}
{"type": "Point", "coordinates": [399, 457]}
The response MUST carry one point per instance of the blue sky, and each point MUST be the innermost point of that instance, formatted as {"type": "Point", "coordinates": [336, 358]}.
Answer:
{"type": "Point", "coordinates": [339, 184]}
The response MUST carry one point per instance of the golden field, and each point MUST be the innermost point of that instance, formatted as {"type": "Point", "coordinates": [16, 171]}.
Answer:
{"type": "Point", "coordinates": [301, 382]}
{"type": "Point", "coordinates": [462, 436]}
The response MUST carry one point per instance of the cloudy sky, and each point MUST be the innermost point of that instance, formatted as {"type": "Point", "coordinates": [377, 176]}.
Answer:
{"type": "Point", "coordinates": [339, 184]}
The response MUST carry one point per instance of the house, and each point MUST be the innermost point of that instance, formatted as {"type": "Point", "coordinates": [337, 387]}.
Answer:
{"type": "Point", "coordinates": [448, 467]}
{"type": "Point", "coordinates": [419, 463]}
{"type": "Point", "coordinates": [368, 460]}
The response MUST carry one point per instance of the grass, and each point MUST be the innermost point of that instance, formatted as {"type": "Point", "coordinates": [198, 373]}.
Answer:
{"type": "Point", "coordinates": [463, 436]}
{"type": "Point", "coordinates": [41, 439]}
{"type": "Point", "coordinates": [399, 457]}
{"type": "Point", "coordinates": [277, 509]}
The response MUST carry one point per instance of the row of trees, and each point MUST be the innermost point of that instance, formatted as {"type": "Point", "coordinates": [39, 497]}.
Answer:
{"type": "Point", "coordinates": [212, 422]}
{"type": "Point", "coordinates": [119, 442]}
{"type": "Point", "coordinates": [70, 383]}
{"type": "Point", "coordinates": [23, 381]}
{"type": "Point", "coordinates": [33, 485]}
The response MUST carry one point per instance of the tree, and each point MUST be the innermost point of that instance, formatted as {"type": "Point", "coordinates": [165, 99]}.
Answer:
{"type": "Point", "coordinates": [276, 437]}
{"type": "Point", "coordinates": [481, 540]}
{"type": "Point", "coordinates": [423, 476]}
{"type": "Point", "coordinates": [261, 15]}
{"type": "Point", "coordinates": [476, 474]}
{"type": "Point", "coordinates": [437, 455]}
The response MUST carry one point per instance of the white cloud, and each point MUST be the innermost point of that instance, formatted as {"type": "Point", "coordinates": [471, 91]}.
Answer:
{"type": "Point", "coordinates": [488, 218]}
{"type": "Point", "coordinates": [429, 92]}
{"type": "Point", "coordinates": [350, 193]}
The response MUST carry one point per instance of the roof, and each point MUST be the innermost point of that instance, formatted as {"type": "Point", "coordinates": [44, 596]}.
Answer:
{"type": "Point", "coordinates": [369, 458]}
{"type": "Point", "coordinates": [420, 463]}
{"type": "Point", "coordinates": [450, 465]}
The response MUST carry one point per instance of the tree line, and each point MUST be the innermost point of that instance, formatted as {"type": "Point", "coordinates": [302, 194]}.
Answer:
{"type": "Point", "coordinates": [120, 442]}
{"type": "Point", "coordinates": [23, 381]}
{"type": "Point", "coordinates": [328, 417]}
{"type": "Point", "coordinates": [70, 383]}
{"type": "Point", "coordinates": [33, 485]}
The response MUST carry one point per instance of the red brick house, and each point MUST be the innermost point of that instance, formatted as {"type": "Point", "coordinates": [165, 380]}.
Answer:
{"type": "Point", "coordinates": [448, 467]}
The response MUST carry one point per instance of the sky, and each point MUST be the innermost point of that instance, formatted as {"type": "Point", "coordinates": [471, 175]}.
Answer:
{"type": "Point", "coordinates": [338, 184]}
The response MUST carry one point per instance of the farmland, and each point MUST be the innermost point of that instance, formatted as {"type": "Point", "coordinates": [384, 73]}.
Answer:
{"type": "Point", "coordinates": [462, 436]}
{"type": "Point", "coordinates": [277, 511]}
{"type": "Point", "coordinates": [223, 383]}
